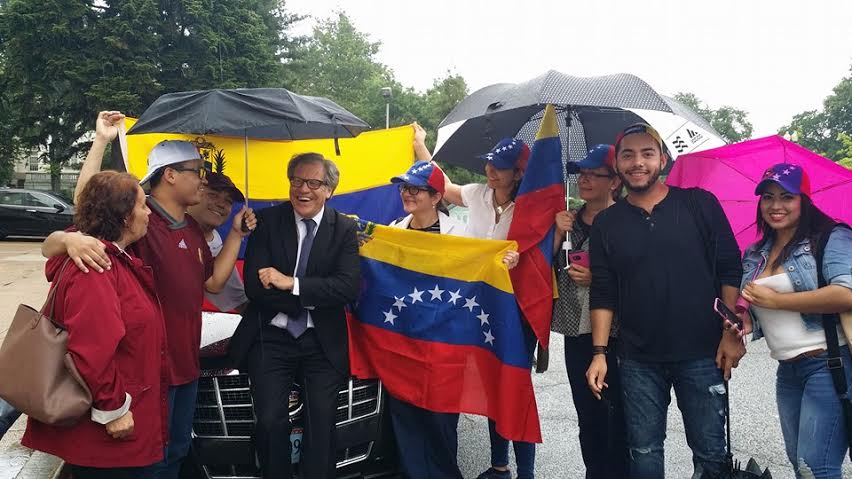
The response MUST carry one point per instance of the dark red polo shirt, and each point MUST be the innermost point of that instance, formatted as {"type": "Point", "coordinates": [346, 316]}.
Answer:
{"type": "Point", "coordinates": [181, 260]}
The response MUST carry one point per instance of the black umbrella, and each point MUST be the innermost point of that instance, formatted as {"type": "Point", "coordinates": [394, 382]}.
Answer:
{"type": "Point", "coordinates": [593, 111]}
{"type": "Point", "coordinates": [264, 113]}
{"type": "Point", "coordinates": [733, 468]}
{"type": "Point", "coordinates": [257, 113]}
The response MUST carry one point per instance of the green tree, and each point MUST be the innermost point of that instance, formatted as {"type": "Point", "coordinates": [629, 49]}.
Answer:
{"type": "Point", "coordinates": [731, 123]}
{"type": "Point", "coordinates": [821, 131]}
{"type": "Point", "coordinates": [65, 60]}
{"type": "Point", "coordinates": [846, 150]}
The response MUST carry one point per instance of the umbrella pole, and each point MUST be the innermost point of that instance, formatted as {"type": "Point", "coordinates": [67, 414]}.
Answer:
{"type": "Point", "coordinates": [566, 245]}
{"type": "Point", "coordinates": [245, 150]}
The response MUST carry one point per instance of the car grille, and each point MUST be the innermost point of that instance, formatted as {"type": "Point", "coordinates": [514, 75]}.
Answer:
{"type": "Point", "coordinates": [224, 407]}
{"type": "Point", "coordinates": [345, 457]}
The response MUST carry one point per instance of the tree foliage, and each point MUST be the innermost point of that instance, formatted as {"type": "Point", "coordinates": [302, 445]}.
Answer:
{"type": "Point", "coordinates": [731, 123]}
{"type": "Point", "coordinates": [340, 62]}
{"type": "Point", "coordinates": [823, 131]}
{"type": "Point", "coordinates": [64, 60]}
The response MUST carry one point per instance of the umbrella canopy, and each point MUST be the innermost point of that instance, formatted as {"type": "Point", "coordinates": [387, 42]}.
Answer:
{"type": "Point", "coordinates": [260, 113]}
{"type": "Point", "coordinates": [732, 172]}
{"type": "Point", "coordinates": [594, 109]}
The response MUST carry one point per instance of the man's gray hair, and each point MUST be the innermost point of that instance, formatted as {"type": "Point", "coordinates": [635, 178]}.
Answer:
{"type": "Point", "coordinates": [332, 174]}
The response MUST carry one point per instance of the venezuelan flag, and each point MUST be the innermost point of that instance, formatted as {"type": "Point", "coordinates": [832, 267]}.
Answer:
{"type": "Point", "coordinates": [366, 164]}
{"type": "Point", "coordinates": [437, 322]}
{"type": "Point", "coordinates": [541, 195]}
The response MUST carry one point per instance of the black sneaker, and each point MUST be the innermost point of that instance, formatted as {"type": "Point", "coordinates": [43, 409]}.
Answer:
{"type": "Point", "coordinates": [492, 473]}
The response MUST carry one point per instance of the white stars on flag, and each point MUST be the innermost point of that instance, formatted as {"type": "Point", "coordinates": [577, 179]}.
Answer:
{"type": "Point", "coordinates": [436, 293]}
{"type": "Point", "coordinates": [776, 177]}
{"type": "Point", "coordinates": [470, 303]}
{"type": "Point", "coordinates": [399, 303]}
{"type": "Point", "coordinates": [454, 296]}
{"type": "Point", "coordinates": [416, 296]}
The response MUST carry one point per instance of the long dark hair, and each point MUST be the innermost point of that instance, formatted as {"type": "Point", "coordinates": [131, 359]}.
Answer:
{"type": "Point", "coordinates": [813, 223]}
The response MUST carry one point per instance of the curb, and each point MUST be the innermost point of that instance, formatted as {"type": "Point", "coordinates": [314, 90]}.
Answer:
{"type": "Point", "coordinates": [41, 465]}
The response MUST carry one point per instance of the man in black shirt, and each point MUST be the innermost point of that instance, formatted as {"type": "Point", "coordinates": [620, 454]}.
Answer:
{"type": "Point", "coordinates": [659, 260]}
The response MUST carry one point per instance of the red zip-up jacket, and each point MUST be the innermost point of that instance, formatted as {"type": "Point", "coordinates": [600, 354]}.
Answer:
{"type": "Point", "coordinates": [116, 336]}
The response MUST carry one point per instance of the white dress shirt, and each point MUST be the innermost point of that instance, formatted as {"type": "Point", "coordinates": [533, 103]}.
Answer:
{"type": "Point", "coordinates": [280, 319]}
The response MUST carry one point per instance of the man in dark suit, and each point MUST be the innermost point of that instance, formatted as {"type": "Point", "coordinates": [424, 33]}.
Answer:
{"type": "Point", "coordinates": [301, 269]}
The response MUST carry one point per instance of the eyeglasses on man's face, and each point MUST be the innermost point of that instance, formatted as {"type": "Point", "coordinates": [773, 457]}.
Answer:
{"type": "Point", "coordinates": [313, 184]}
{"type": "Point", "coordinates": [589, 175]}
{"type": "Point", "coordinates": [411, 189]}
{"type": "Point", "coordinates": [200, 171]}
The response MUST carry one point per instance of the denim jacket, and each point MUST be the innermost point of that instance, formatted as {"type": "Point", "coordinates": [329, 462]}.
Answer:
{"type": "Point", "coordinates": [801, 267]}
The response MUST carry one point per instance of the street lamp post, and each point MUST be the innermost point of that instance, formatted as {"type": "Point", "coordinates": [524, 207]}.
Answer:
{"type": "Point", "coordinates": [387, 93]}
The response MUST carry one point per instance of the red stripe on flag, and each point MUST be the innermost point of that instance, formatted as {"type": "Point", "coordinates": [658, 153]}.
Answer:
{"type": "Point", "coordinates": [532, 278]}
{"type": "Point", "coordinates": [447, 378]}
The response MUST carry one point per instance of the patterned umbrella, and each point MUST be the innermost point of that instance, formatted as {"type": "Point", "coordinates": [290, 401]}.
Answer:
{"type": "Point", "coordinates": [592, 109]}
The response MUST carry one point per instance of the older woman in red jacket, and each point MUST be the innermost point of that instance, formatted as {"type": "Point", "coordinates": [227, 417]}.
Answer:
{"type": "Point", "coordinates": [116, 338]}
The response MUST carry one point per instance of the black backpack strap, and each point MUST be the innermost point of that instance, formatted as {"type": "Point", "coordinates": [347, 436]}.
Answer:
{"type": "Point", "coordinates": [829, 325]}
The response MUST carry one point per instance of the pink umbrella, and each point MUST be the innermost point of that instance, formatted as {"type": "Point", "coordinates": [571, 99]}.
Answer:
{"type": "Point", "coordinates": [731, 173]}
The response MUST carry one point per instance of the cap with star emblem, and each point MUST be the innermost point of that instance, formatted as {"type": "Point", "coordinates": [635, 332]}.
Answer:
{"type": "Point", "coordinates": [792, 178]}
{"type": "Point", "coordinates": [508, 154]}
{"type": "Point", "coordinates": [424, 174]}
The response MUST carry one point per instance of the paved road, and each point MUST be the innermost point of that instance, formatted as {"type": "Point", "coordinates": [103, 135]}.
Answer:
{"type": "Point", "coordinates": [756, 432]}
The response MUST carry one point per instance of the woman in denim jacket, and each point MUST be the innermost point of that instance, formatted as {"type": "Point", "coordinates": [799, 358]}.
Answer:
{"type": "Point", "coordinates": [780, 283]}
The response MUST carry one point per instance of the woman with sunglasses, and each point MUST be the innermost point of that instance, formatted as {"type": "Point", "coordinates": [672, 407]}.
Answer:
{"type": "Point", "coordinates": [427, 441]}
{"type": "Point", "coordinates": [491, 207]}
{"type": "Point", "coordinates": [601, 422]}
{"type": "Point", "coordinates": [786, 303]}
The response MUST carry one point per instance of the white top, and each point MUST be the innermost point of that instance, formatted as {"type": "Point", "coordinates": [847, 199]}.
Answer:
{"type": "Point", "coordinates": [785, 331]}
{"type": "Point", "coordinates": [481, 224]}
{"type": "Point", "coordinates": [449, 225]}
{"type": "Point", "coordinates": [280, 319]}
{"type": "Point", "coordinates": [234, 292]}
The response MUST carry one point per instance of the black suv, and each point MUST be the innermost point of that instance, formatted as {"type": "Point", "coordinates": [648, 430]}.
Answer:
{"type": "Point", "coordinates": [33, 213]}
{"type": "Point", "coordinates": [224, 418]}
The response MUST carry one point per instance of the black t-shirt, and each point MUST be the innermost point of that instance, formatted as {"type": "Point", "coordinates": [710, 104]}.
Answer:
{"type": "Point", "coordinates": [660, 274]}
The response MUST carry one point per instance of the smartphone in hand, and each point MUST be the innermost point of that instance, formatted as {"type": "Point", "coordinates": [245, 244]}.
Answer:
{"type": "Point", "coordinates": [726, 314]}
{"type": "Point", "coordinates": [579, 258]}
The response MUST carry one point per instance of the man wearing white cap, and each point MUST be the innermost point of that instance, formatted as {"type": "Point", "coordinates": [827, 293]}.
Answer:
{"type": "Point", "coordinates": [183, 267]}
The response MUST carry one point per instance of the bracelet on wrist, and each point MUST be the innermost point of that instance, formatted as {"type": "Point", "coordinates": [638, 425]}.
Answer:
{"type": "Point", "coordinates": [600, 350]}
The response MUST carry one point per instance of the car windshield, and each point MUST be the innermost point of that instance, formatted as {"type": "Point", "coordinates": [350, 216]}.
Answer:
{"type": "Point", "coordinates": [63, 198]}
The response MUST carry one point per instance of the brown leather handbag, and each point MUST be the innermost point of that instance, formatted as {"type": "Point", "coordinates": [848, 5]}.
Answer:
{"type": "Point", "coordinates": [37, 374]}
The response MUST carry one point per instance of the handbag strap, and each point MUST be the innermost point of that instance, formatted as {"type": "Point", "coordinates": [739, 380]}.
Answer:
{"type": "Point", "coordinates": [829, 325]}
{"type": "Point", "coordinates": [51, 296]}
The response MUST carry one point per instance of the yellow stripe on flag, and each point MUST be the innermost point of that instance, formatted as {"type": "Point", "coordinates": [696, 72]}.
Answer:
{"type": "Point", "coordinates": [548, 128]}
{"type": "Point", "coordinates": [463, 259]}
{"type": "Point", "coordinates": [366, 161]}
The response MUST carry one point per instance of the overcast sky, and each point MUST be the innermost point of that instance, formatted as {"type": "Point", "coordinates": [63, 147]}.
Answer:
{"type": "Point", "coordinates": [771, 58]}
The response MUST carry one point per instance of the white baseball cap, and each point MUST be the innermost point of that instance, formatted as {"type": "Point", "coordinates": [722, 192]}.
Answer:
{"type": "Point", "coordinates": [169, 152]}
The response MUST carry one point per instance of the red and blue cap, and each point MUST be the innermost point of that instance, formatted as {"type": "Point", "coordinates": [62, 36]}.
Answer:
{"type": "Point", "coordinates": [424, 174]}
{"type": "Point", "coordinates": [792, 178]}
{"type": "Point", "coordinates": [600, 155]}
{"type": "Point", "coordinates": [508, 154]}
{"type": "Point", "coordinates": [639, 128]}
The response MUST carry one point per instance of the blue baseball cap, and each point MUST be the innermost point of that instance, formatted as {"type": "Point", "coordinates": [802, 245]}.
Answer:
{"type": "Point", "coordinates": [792, 178]}
{"type": "Point", "coordinates": [508, 154]}
{"type": "Point", "coordinates": [424, 174]}
{"type": "Point", "coordinates": [600, 155]}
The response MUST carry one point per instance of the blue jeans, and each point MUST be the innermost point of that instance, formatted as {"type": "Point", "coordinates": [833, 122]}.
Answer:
{"type": "Point", "coordinates": [8, 416]}
{"type": "Point", "coordinates": [811, 417]}
{"type": "Point", "coordinates": [181, 412]}
{"type": "Point", "coordinates": [700, 391]}
{"type": "Point", "coordinates": [524, 451]}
